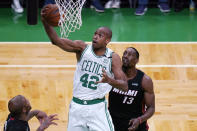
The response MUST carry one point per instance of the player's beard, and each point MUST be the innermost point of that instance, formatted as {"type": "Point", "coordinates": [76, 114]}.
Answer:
{"type": "Point", "coordinates": [125, 65]}
{"type": "Point", "coordinates": [124, 68]}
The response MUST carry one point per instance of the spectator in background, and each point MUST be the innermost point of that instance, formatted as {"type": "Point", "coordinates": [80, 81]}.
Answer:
{"type": "Point", "coordinates": [46, 2]}
{"type": "Point", "coordinates": [178, 6]}
{"type": "Point", "coordinates": [19, 108]}
{"type": "Point", "coordinates": [142, 6]}
{"type": "Point", "coordinates": [112, 4]}
{"type": "Point", "coordinates": [96, 4]}
{"type": "Point", "coordinates": [16, 6]}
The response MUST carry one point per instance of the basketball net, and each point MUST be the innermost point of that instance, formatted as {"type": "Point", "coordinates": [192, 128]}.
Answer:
{"type": "Point", "coordinates": [70, 15]}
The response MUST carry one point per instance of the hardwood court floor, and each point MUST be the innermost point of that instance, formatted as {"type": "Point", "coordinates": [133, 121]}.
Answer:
{"type": "Point", "coordinates": [44, 73]}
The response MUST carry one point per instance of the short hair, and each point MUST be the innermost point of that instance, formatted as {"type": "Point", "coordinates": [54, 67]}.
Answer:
{"type": "Point", "coordinates": [136, 52]}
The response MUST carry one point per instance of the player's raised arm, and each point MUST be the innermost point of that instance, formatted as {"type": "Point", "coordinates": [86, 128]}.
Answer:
{"type": "Point", "coordinates": [65, 44]}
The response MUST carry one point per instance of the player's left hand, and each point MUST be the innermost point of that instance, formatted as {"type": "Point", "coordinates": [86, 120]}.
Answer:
{"type": "Point", "coordinates": [134, 124]}
{"type": "Point", "coordinates": [105, 78]}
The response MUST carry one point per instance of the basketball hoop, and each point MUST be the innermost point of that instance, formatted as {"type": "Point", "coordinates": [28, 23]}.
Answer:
{"type": "Point", "coordinates": [70, 15]}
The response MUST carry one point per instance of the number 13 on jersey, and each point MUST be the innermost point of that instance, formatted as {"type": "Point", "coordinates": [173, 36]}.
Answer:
{"type": "Point", "coordinates": [128, 100]}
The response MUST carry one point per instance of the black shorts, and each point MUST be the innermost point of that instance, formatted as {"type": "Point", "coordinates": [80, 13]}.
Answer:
{"type": "Point", "coordinates": [123, 125]}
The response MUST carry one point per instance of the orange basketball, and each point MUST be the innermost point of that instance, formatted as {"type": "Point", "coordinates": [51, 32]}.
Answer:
{"type": "Point", "coordinates": [52, 15]}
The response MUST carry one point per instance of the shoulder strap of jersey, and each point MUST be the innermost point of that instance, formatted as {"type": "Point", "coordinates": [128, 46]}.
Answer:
{"type": "Point", "coordinates": [140, 75]}
{"type": "Point", "coordinates": [82, 54]}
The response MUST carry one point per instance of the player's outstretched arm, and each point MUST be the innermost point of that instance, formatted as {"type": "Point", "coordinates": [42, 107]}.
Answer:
{"type": "Point", "coordinates": [40, 115]}
{"type": "Point", "coordinates": [119, 81]}
{"type": "Point", "coordinates": [149, 97]}
{"type": "Point", "coordinates": [65, 44]}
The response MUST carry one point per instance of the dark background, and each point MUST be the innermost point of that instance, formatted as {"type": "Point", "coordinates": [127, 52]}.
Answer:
{"type": "Point", "coordinates": [124, 3]}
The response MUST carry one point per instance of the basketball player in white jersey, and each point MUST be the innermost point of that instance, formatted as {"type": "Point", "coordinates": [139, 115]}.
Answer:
{"type": "Point", "coordinates": [98, 69]}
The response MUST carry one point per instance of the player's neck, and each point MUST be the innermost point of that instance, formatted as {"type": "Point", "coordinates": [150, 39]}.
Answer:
{"type": "Point", "coordinates": [131, 72]}
{"type": "Point", "coordinates": [100, 51]}
{"type": "Point", "coordinates": [23, 117]}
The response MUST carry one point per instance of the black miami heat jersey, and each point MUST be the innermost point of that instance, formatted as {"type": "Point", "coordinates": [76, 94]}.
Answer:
{"type": "Point", "coordinates": [124, 106]}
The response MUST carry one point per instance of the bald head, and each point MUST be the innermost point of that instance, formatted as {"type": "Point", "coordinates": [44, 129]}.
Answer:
{"type": "Point", "coordinates": [16, 104]}
{"type": "Point", "coordinates": [136, 52]}
{"type": "Point", "coordinates": [107, 31]}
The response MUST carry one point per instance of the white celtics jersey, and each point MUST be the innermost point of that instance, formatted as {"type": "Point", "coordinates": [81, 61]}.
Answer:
{"type": "Point", "coordinates": [88, 71]}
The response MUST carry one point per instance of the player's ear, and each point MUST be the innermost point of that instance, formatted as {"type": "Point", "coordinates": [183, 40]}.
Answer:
{"type": "Point", "coordinates": [24, 109]}
{"type": "Point", "coordinates": [108, 40]}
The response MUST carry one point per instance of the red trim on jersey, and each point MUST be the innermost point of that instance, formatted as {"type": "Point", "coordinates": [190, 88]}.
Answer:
{"type": "Point", "coordinates": [11, 118]}
{"type": "Point", "coordinates": [147, 127]}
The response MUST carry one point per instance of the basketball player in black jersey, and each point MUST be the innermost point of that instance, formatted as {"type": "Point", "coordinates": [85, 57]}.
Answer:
{"type": "Point", "coordinates": [20, 114]}
{"type": "Point", "coordinates": [130, 110]}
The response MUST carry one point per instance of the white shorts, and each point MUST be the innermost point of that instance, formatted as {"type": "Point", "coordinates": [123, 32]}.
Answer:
{"type": "Point", "coordinates": [93, 117]}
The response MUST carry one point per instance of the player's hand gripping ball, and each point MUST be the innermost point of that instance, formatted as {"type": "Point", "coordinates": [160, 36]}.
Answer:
{"type": "Point", "coordinates": [51, 14]}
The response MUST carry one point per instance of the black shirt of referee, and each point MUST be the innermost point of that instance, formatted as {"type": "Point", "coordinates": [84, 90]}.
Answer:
{"type": "Point", "coordinates": [130, 110]}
